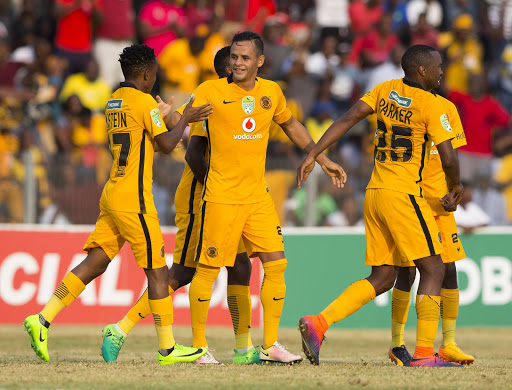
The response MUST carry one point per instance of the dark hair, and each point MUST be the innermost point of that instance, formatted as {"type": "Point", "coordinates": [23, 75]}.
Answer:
{"type": "Point", "coordinates": [135, 59]}
{"type": "Point", "coordinates": [221, 60]}
{"type": "Point", "coordinates": [415, 56]}
{"type": "Point", "coordinates": [249, 36]}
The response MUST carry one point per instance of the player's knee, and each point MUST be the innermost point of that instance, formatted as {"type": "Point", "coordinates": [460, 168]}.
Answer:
{"type": "Point", "coordinates": [240, 273]}
{"type": "Point", "coordinates": [180, 276]}
{"type": "Point", "coordinates": [382, 278]}
{"type": "Point", "coordinates": [450, 276]}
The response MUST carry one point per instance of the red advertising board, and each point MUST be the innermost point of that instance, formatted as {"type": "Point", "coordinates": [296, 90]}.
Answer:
{"type": "Point", "coordinates": [34, 259]}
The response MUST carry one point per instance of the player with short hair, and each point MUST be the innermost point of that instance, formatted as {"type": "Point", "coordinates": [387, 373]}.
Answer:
{"type": "Point", "coordinates": [127, 209]}
{"type": "Point", "coordinates": [235, 198]}
{"type": "Point", "coordinates": [396, 214]}
{"type": "Point", "coordinates": [187, 220]}
{"type": "Point", "coordinates": [434, 189]}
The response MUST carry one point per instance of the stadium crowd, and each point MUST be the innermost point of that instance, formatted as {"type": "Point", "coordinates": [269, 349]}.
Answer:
{"type": "Point", "coordinates": [58, 66]}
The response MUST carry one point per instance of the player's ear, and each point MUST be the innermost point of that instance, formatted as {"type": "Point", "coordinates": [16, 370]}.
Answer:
{"type": "Point", "coordinates": [422, 70]}
{"type": "Point", "coordinates": [261, 60]}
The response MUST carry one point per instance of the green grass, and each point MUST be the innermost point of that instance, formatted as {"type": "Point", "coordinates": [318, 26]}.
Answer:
{"type": "Point", "coordinates": [349, 359]}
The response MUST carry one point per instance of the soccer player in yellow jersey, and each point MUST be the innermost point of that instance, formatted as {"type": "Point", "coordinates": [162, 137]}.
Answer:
{"type": "Point", "coordinates": [127, 209]}
{"type": "Point", "coordinates": [186, 202]}
{"type": "Point", "coordinates": [235, 199]}
{"type": "Point", "coordinates": [397, 216]}
{"type": "Point", "coordinates": [434, 189]}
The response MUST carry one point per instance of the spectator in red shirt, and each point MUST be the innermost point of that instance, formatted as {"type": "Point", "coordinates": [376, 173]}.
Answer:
{"type": "Point", "coordinates": [115, 32]}
{"type": "Point", "coordinates": [481, 116]}
{"type": "Point", "coordinates": [364, 15]}
{"type": "Point", "coordinates": [374, 48]}
{"type": "Point", "coordinates": [73, 38]}
{"type": "Point", "coordinates": [161, 22]}
{"type": "Point", "coordinates": [422, 33]}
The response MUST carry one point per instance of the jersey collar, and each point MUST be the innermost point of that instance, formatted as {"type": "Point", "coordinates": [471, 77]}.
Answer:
{"type": "Point", "coordinates": [230, 78]}
{"type": "Point", "coordinates": [126, 84]}
{"type": "Point", "coordinates": [412, 84]}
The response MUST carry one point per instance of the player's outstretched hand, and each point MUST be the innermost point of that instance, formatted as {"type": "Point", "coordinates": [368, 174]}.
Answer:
{"type": "Point", "coordinates": [453, 198]}
{"type": "Point", "coordinates": [197, 114]}
{"type": "Point", "coordinates": [305, 169]}
{"type": "Point", "coordinates": [165, 108]}
{"type": "Point", "coordinates": [336, 172]}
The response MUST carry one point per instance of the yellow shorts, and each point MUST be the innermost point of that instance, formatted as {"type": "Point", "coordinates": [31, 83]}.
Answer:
{"type": "Point", "coordinates": [187, 237]}
{"type": "Point", "coordinates": [452, 247]}
{"type": "Point", "coordinates": [142, 231]}
{"type": "Point", "coordinates": [223, 224]}
{"type": "Point", "coordinates": [398, 221]}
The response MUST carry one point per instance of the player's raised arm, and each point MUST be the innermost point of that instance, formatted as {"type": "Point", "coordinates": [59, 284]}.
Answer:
{"type": "Point", "coordinates": [450, 163]}
{"type": "Point", "coordinates": [337, 130]}
{"type": "Point", "coordinates": [167, 141]}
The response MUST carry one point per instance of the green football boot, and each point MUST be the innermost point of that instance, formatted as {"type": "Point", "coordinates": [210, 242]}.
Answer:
{"type": "Point", "coordinates": [181, 354]}
{"type": "Point", "coordinates": [38, 336]}
{"type": "Point", "coordinates": [112, 342]}
{"type": "Point", "coordinates": [251, 356]}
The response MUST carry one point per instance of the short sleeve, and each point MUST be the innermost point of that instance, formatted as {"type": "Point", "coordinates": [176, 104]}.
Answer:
{"type": "Point", "coordinates": [371, 97]}
{"type": "Point", "coordinates": [151, 117]}
{"type": "Point", "coordinates": [200, 98]}
{"type": "Point", "coordinates": [438, 122]}
{"type": "Point", "coordinates": [459, 138]}
{"type": "Point", "coordinates": [198, 129]}
{"type": "Point", "coordinates": [282, 112]}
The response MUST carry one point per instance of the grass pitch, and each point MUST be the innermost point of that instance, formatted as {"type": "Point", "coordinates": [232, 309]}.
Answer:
{"type": "Point", "coordinates": [349, 359]}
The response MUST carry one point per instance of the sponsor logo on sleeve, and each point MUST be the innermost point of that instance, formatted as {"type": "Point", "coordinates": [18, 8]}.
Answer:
{"type": "Point", "coordinates": [155, 116]}
{"type": "Point", "coordinates": [248, 104]}
{"type": "Point", "coordinates": [445, 122]}
{"type": "Point", "coordinates": [402, 101]}
{"type": "Point", "coordinates": [114, 104]}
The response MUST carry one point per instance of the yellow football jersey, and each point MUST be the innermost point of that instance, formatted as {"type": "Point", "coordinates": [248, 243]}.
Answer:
{"type": "Point", "coordinates": [434, 180]}
{"type": "Point", "coordinates": [133, 121]}
{"type": "Point", "coordinates": [189, 191]}
{"type": "Point", "coordinates": [408, 118]}
{"type": "Point", "coordinates": [238, 133]}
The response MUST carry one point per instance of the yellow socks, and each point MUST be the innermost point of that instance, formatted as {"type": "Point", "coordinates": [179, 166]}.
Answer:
{"type": "Point", "coordinates": [428, 310]}
{"type": "Point", "coordinates": [162, 313]}
{"type": "Point", "coordinates": [200, 294]}
{"type": "Point", "coordinates": [352, 299]}
{"type": "Point", "coordinates": [449, 314]}
{"type": "Point", "coordinates": [273, 291]}
{"type": "Point", "coordinates": [399, 310]}
{"type": "Point", "coordinates": [69, 289]}
{"type": "Point", "coordinates": [239, 303]}
{"type": "Point", "coordinates": [138, 311]}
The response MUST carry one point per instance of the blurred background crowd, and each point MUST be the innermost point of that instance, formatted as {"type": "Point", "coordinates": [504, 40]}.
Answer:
{"type": "Point", "coordinates": [58, 66]}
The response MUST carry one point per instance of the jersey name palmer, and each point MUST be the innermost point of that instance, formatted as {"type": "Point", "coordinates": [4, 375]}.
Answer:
{"type": "Point", "coordinates": [116, 119]}
{"type": "Point", "coordinates": [392, 111]}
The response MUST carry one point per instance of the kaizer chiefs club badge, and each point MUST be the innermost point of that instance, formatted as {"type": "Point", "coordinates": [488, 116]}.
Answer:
{"type": "Point", "coordinates": [265, 103]}
{"type": "Point", "coordinates": [212, 251]}
{"type": "Point", "coordinates": [248, 104]}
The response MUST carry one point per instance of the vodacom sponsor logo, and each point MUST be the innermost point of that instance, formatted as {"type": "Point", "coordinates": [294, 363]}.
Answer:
{"type": "Point", "coordinates": [248, 125]}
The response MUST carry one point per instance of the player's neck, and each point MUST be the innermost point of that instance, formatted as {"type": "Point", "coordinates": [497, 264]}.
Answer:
{"type": "Point", "coordinates": [136, 83]}
{"type": "Point", "coordinates": [247, 85]}
{"type": "Point", "coordinates": [420, 83]}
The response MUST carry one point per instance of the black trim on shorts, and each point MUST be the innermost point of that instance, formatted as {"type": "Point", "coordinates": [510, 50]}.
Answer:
{"type": "Point", "coordinates": [423, 153]}
{"type": "Point", "coordinates": [149, 249]}
{"type": "Point", "coordinates": [192, 195]}
{"type": "Point", "coordinates": [200, 242]}
{"type": "Point", "coordinates": [187, 239]}
{"type": "Point", "coordinates": [141, 173]}
{"type": "Point", "coordinates": [207, 128]}
{"type": "Point", "coordinates": [423, 225]}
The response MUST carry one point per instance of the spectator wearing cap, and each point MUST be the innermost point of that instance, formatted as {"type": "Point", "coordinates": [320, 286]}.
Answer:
{"type": "Point", "coordinates": [463, 53]}
{"type": "Point", "coordinates": [115, 32]}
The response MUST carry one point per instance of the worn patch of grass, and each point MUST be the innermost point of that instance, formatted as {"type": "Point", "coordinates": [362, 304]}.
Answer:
{"type": "Point", "coordinates": [349, 359]}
